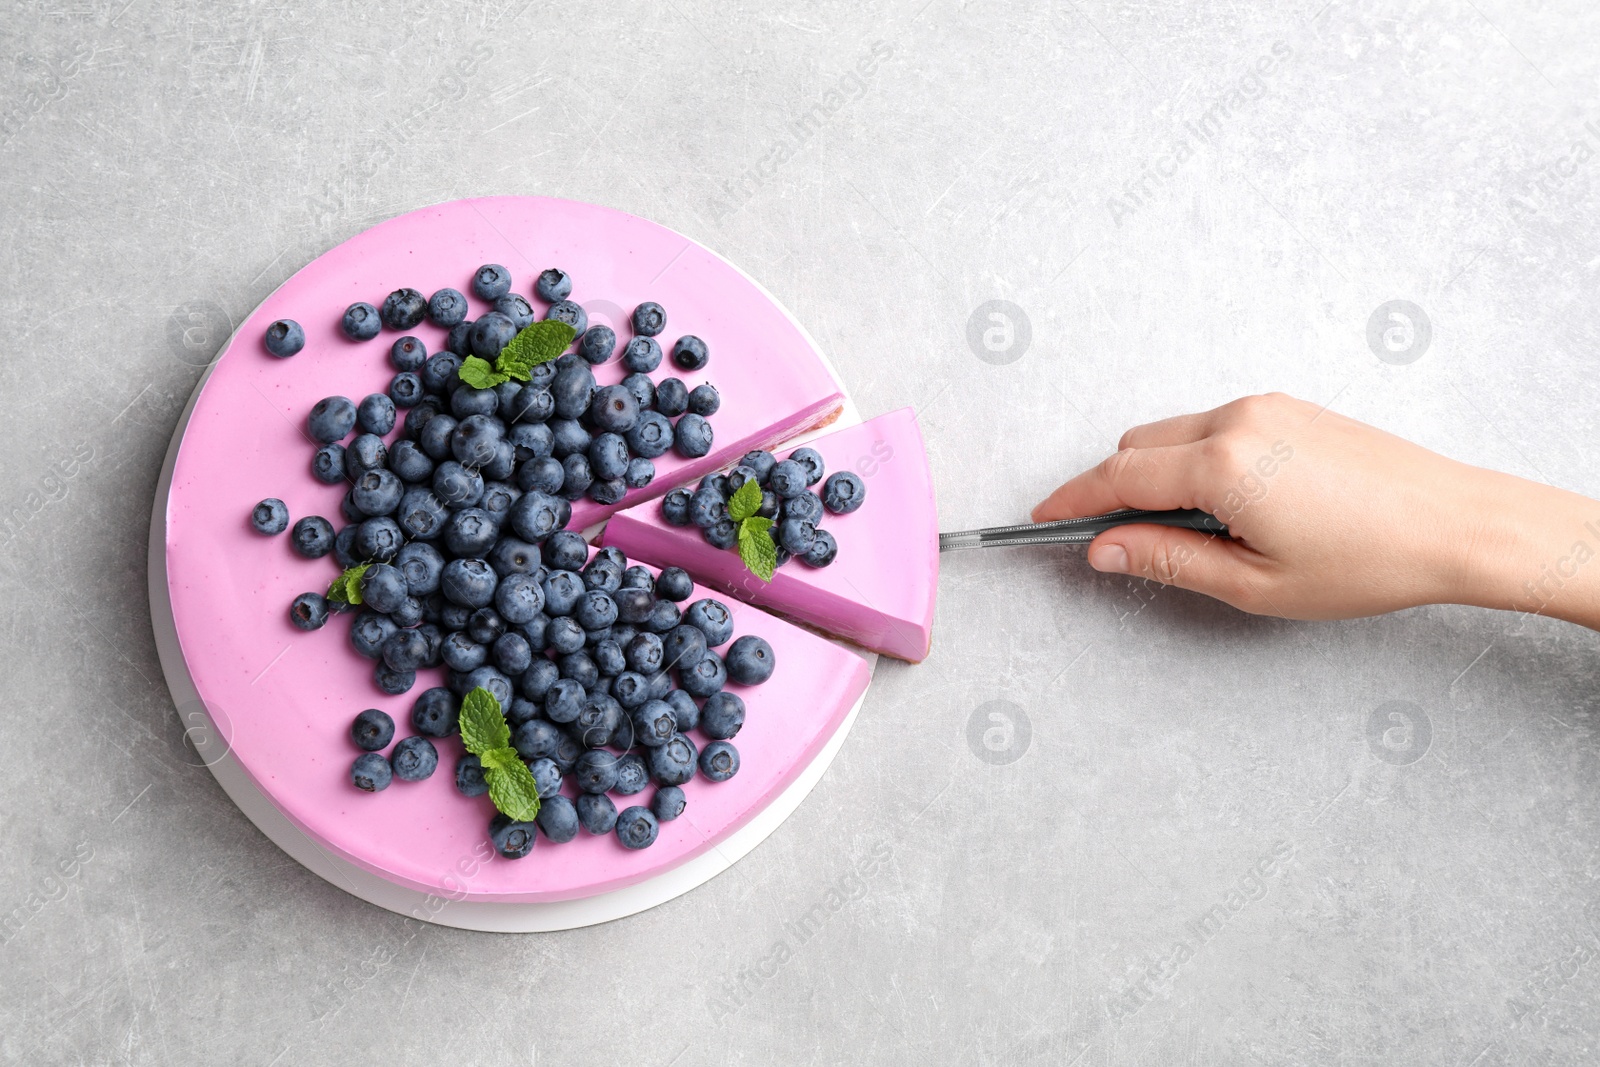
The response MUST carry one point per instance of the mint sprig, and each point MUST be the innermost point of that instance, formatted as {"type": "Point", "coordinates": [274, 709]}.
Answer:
{"type": "Point", "coordinates": [536, 343]}
{"type": "Point", "coordinates": [755, 545]}
{"type": "Point", "coordinates": [486, 734]}
{"type": "Point", "coordinates": [346, 589]}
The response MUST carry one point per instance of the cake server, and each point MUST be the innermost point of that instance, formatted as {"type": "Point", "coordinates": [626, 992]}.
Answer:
{"type": "Point", "coordinates": [1077, 531]}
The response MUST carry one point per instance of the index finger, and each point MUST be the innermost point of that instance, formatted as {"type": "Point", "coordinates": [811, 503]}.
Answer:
{"type": "Point", "coordinates": [1150, 479]}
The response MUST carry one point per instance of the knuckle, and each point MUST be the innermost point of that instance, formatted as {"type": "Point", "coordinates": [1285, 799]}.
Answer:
{"type": "Point", "coordinates": [1119, 466]}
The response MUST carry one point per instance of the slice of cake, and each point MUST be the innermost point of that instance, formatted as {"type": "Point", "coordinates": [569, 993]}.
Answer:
{"type": "Point", "coordinates": [879, 589]}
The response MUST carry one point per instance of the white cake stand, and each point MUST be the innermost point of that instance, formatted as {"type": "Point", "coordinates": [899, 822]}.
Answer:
{"type": "Point", "coordinates": [210, 742]}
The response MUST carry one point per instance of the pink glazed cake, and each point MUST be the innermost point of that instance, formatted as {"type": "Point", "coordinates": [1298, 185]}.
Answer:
{"type": "Point", "coordinates": [284, 700]}
{"type": "Point", "coordinates": [878, 591]}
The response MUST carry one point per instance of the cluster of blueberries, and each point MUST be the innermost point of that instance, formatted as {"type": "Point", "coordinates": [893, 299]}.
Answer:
{"type": "Point", "coordinates": [559, 433]}
{"type": "Point", "coordinates": [461, 525]}
{"type": "Point", "coordinates": [786, 498]}
{"type": "Point", "coordinates": [628, 676]}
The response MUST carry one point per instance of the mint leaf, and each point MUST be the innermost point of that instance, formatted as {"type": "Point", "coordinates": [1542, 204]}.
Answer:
{"type": "Point", "coordinates": [478, 374]}
{"type": "Point", "coordinates": [483, 727]}
{"type": "Point", "coordinates": [511, 784]}
{"type": "Point", "coordinates": [346, 589]}
{"type": "Point", "coordinates": [745, 502]}
{"type": "Point", "coordinates": [756, 549]}
{"type": "Point", "coordinates": [536, 343]}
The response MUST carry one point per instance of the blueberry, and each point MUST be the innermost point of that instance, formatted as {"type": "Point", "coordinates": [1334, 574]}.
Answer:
{"type": "Point", "coordinates": [410, 613]}
{"type": "Point", "coordinates": [707, 507]}
{"type": "Point", "coordinates": [645, 654]}
{"type": "Point", "coordinates": [421, 515]}
{"type": "Point", "coordinates": [843, 492]}
{"type": "Point", "coordinates": [410, 463]}
{"type": "Point", "coordinates": [668, 803]}
{"type": "Point", "coordinates": [515, 308]}
{"type": "Point", "coordinates": [672, 398]}
{"type": "Point", "coordinates": [687, 711]}
{"type": "Point", "coordinates": [596, 771]}
{"type": "Point", "coordinates": [546, 776]}
{"type": "Point", "coordinates": [640, 473]}
{"type": "Point", "coordinates": [442, 372]}
{"type": "Point", "coordinates": [795, 535]}
{"type": "Point", "coordinates": [722, 716]}
{"type": "Point", "coordinates": [466, 401]}
{"type": "Point", "coordinates": [535, 516]}
{"type": "Point", "coordinates": [565, 550]}
{"type": "Point", "coordinates": [761, 462]}
{"type": "Point", "coordinates": [468, 582]}
{"type": "Point", "coordinates": [641, 355]}
{"type": "Point", "coordinates": [511, 654]}
{"type": "Point", "coordinates": [446, 308]}
{"type": "Point", "coordinates": [690, 353]}
{"type": "Point", "coordinates": [631, 689]}
{"type": "Point", "coordinates": [536, 739]}
{"type": "Point", "coordinates": [309, 611]}
{"type": "Point", "coordinates": [704, 399]}
{"type": "Point", "coordinates": [436, 437]}
{"type": "Point", "coordinates": [570, 313]}
{"type": "Point", "coordinates": [568, 438]}
{"type": "Point", "coordinates": [674, 584]}
{"type": "Point", "coordinates": [692, 436]}
{"type": "Point", "coordinates": [654, 722]}
{"type": "Point", "coordinates": [573, 388]}
{"type": "Point", "coordinates": [722, 535]}
{"type": "Point", "coordinates": [405, 391]}
{"type": "Point", "coordinates": [511, 839]}
{"type": "Point", "coordinates": [712, 618]}
{"type": "Point", "coordinates": [364, 453]}
{"type": "Point", "coordinates": [719, 761]}
{"type": "Point", "coordinates": [633, 604]}
{"type": "Point", "coordinates": [469, 776]}
{"type": "Point", "coordinates": [788, 478]}
{"type": "Point", "coordinates": [457, 485]}
{"type": "Point", "coordinates": [391, 681]}
{"type": "Point", "coordinates": [649, 318]}
{"type": "Point", "coordinates": [360, 322]}
{"type": "Point", "coordinates": [328, 464]}
{"type": "Point", "coordinates": [403, 309]}
{"type": "Point", "coordinates": [637, 576]}
{"type": "Point", "coordinates": [675, 507]}
{"type": "Point", "coordinates": [476, 440]}
{"type": "Point", "coordinates": [704, 678]}
{"type": "Point", "coordinates": [557, 818]}
{"type": "Point", "coordinates": [576, 476]}
{"type": "Point", "coordinates": [270, 516]}
{"type": "Point", "coordinates": [535, 630]}
{"type": "Point", "coordinates": [491, 282]}
{"type": "Point", "coordinates": [519, 597]}
{"type": "Point", "coordinates": [564, 701]}
{"type": "Point", "coordinates": [435, 713]}
{"type": "Point", "coordinates": [372, 730]}
{"type": "Point", "coordinates": [608, 456]}
{"type": "Point", "coordinates": [531, 440]}
{"type": "Point", "coordinates": [377, 492]}
{"type": "Point", "coordinates": [383, 587]}
{"type": "Point", "coordinates": [683, 647]}
{"type": "Point", "coordinates": [331, 419]}
{"type": "Point", "coordinates": [470, 532]}
{"type": "Point", "coordinates": [344, 546]}
{"type": "Point", "coordinates": [563, 635]}
{"type": "Point", "coordinates": [609, 658]}
{"type": "Point", "coordinates": [459, 339]}
{"type": "Point", "coordinates": [498, 685]}
{"type": "Point", "coordinates": [805, 506]}
{"type": "Point", "coordinates": [596, 813]}
{"type": "Point", "coordinates": [415, 759]}
{"type": "Point", "coordinates": [490, 334]}
{"type": "Point", "coordinates": [614, 409]}
{"type": "Point", "coordinates": [637, 828]}
{"type": "Point", "coordinates": [822, 551]}
{"type": "Point", "coordinates": [632, 774]}
{"type": "Point", "coordinates": [371, 772]}
{"type": "Point", "coordinates": [718, 482]}
{"type": "Point", "coordinates": [598, 345]}
{"type": "Point", "coordinates": [461, 653]}
{"type": "Point", "coordinates": [552, 285]}
{"type": "Point", "coordinates": [562, 591]}
{"type": "Point", "coordinates": [485, 625]}
{"type": "Point", "coordinates": [596, 610]}
{"type": "Point", "coordinates": [284, 338]}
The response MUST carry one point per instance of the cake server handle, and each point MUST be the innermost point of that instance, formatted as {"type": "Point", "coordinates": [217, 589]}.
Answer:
{"type": "Point", "coordinates": [1077, 531]}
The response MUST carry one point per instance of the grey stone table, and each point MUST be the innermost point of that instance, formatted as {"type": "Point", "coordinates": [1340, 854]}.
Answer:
{"type": "Point", "coordinates": [1103, 823]}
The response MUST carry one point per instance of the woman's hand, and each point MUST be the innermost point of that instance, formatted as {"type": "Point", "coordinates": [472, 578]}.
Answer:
{"type": "Point", "coordinates": [1332, 518]}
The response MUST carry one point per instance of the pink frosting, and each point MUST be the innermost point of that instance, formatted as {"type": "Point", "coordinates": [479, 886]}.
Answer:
{"type": "Point", "coordinates": [285, 699]}
{"type": "Point", "coordinates": [878, 592]}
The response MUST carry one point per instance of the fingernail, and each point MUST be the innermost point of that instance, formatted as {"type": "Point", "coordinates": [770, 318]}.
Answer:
{"type": "Point", "coordinates": [1113, 559]}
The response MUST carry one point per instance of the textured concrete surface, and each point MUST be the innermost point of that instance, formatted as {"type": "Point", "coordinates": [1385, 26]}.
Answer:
{"type": "Point", "coordinates": [1188, 836]}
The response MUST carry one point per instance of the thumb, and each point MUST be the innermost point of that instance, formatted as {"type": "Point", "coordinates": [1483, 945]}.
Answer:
{"type": "Point", "coordinates": [1188, 559]}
